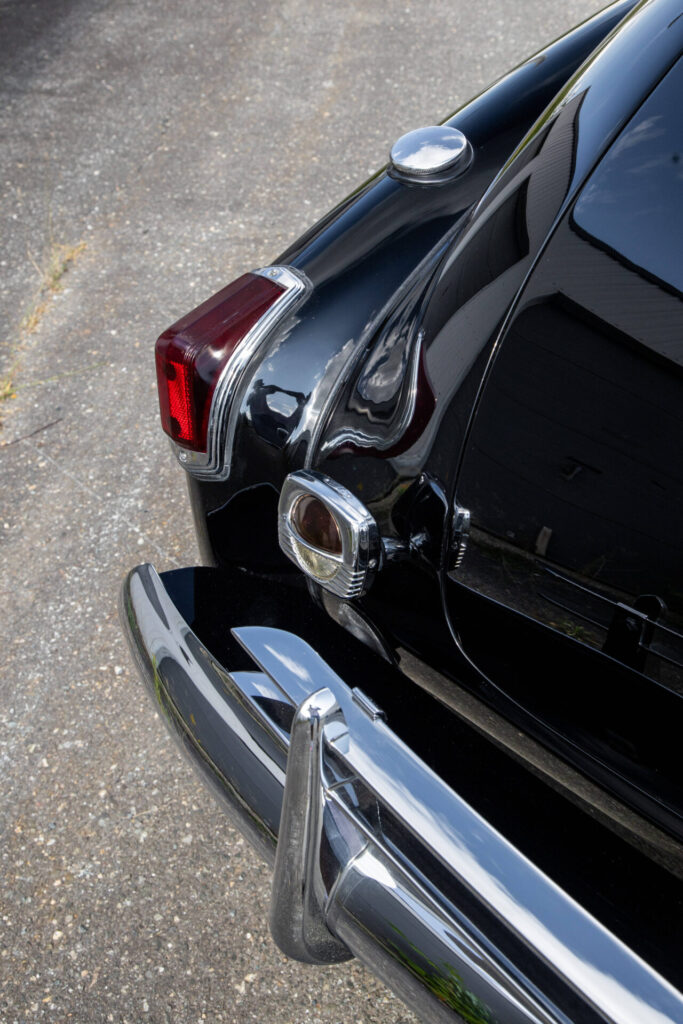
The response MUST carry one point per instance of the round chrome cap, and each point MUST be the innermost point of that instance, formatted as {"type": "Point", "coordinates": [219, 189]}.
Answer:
{"type": "Point", "coordinates": [429, 151]}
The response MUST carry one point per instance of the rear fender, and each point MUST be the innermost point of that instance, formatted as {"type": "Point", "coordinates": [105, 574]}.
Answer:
{"type": "Point", "coordinates": [368, 258]}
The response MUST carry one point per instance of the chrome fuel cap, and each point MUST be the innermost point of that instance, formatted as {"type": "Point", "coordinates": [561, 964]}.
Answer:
{"type": "Point", "coordinates": [430, 154]}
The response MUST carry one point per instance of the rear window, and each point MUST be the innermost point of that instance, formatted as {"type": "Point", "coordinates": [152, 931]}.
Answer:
{"type": "Point", "coordinates": [633, 203]}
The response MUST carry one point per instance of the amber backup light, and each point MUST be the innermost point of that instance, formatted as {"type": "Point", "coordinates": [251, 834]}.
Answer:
{"type": "Point", "coordinates": [200, 357]}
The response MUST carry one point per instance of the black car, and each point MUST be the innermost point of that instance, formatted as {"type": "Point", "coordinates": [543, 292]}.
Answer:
{"type": "Point", "coordinates": [433, 661]}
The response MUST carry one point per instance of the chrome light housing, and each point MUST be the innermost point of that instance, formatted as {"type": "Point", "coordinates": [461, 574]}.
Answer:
{"type": "Point", "coordinates": [325, 530]}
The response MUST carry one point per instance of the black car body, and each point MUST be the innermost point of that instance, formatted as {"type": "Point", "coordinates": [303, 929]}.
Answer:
{"type": "Point", "coordinates": [433, 664]}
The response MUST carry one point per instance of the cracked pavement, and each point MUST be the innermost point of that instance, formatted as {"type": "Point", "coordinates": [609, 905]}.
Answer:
{"type": "Point", "coordinates": [182, 144]}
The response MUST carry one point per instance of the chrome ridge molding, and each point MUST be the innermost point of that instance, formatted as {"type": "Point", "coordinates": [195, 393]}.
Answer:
{"type": "Point", "coordinates": [361, 545]}
{"type": "Point", "coordinates": [358, 818]}
{"type": "Point", "coordinates": [214, 464]}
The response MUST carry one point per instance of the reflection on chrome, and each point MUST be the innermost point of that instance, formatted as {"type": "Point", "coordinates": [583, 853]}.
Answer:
{"type": "Point", "coordinates": [358, 822]}
{"type": "Point", "coordinates": [297, 912]}
{"type": "Point", "coordinates": [391, 403]}
{"type": "Point", "coordinates": [431, 150]}
{"type": "Point", "coordinates": [532, 906]}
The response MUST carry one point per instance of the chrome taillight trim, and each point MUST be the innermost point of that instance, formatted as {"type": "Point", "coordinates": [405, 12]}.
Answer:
{"type": "Point", "coordinates": [361, 544]}
{"type": "Point", "coordinates": [214, 464]}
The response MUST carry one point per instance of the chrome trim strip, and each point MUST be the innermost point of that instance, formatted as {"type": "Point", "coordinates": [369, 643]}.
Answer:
{"type": "Point", "coordinates": [362, 816]}
{"type": "Point", "coordinates": [215, 463]}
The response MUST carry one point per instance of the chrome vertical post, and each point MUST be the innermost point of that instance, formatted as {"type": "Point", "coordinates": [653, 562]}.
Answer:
{"type": "Point", "coordinates": [297, 909]}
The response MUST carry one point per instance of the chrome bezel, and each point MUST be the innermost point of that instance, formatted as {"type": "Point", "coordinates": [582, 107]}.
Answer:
{"type": "Point", "coordinates": [450, 153]}
{"type": "Point", "coordinates": [360, 540]}
{"type": "Point", "coordinates": [214, 464]}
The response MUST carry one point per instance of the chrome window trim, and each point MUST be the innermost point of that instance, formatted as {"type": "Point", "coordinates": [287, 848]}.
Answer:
{"type": "Point", "coordinates": [214, 464]}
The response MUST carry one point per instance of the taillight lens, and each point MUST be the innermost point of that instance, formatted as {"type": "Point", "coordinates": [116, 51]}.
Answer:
{"type": "Point", "coordinates": [192, 354]}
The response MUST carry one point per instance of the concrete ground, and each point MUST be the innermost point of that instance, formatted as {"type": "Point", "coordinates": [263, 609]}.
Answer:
{"type": "Point", "coordinates": [150, 153]}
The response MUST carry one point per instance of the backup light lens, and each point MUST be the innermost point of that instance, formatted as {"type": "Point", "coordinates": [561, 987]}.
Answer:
{"type": "Point", "coordinates": [325, 530]}
{"type": "Point", "coordinates": [316, 563]}
{"type": "Point", "coordinates": [315, 524]}
{"type": "Point", "coordinates": [194, 351]}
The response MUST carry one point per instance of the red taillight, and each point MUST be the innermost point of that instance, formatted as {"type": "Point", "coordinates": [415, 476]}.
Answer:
{"type": "Point", "coordinates": [192, 354]}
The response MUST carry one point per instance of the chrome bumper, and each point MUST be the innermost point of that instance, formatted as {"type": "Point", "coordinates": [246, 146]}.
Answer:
{"type": "Point", "coordinates": [374, 855]}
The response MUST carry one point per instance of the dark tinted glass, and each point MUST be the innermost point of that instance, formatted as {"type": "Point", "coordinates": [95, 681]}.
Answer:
{"type": "Point", "coordinates": [633, 203]}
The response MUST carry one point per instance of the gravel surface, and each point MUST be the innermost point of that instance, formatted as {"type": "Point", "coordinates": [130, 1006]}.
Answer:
{"type": "Point", "coordinates": [157, 150]}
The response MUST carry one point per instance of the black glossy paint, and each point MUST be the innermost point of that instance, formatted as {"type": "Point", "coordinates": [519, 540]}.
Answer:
{"type": "Point", "coordinates": [566, 614]}
{"type": "Point", "coordinates": [405, 411]}
{"type": "Point", "coordinates": [374, 378]}
{"type": "Point", "coordinates": [367, 259]}
{"type": "Point", "coordinates": [399, 423]}
{"type": "Point", "coordinates": [418, 318]}
{"type": "Point", "coordinates": [570, 598]}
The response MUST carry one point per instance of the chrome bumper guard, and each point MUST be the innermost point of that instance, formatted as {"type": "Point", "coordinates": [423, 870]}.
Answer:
{"type": "Point", "coordinates": [374, 855]}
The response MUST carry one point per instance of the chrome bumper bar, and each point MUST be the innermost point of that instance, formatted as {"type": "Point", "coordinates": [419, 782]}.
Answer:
{"type": "Point", "coordinates": [374, 855]}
